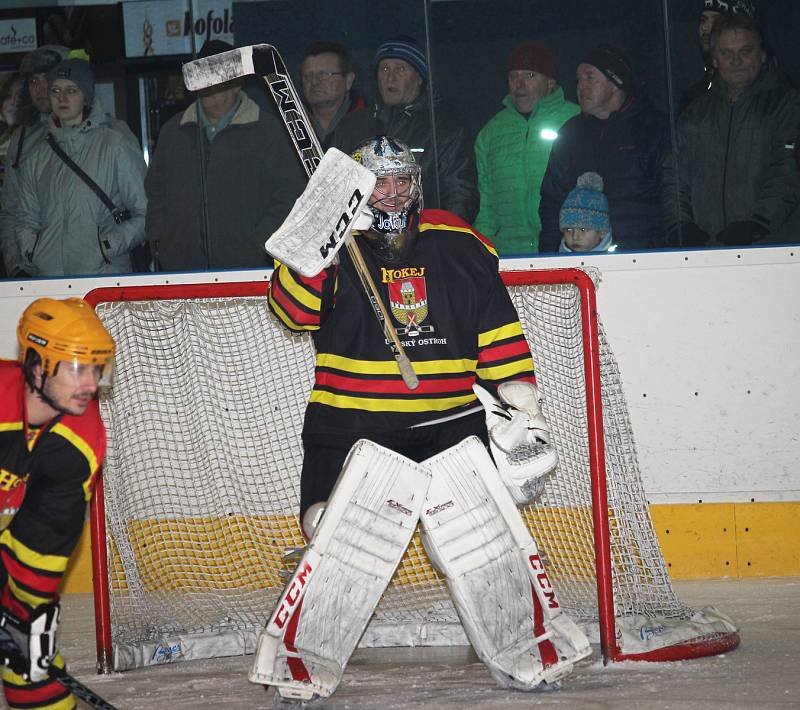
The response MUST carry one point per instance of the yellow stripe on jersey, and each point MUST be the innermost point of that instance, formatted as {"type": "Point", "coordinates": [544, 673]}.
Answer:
{"type": "Point", "coordinates": [81, 445]}
{"type": "Point", "coordinates": [31, 558]}
{"type": "Point", "coordinates": [389, 405]}
{"type": "Point", "coordinates": [10, 426]}
{"type": "Point", "coordinates": [23, 595]}
{"type": "Point", "coordinates": [510, 330]}
{"type": "Point", "coordinates": [287, 321]}
{"type": "Point", "coordinates": [425, 226]}
{"type": "Point", "coordinates": [298, 291]}
{"type": "Point", "coordinates": [507, 370]}
{"type": "Point", "coordinates": [389, 367]}
{"type": "Point", "coordinates": [18, 682]}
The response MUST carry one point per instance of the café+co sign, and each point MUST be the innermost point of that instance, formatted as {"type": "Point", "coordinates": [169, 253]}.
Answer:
{"type": "Point", "coordinates": [18, 35]}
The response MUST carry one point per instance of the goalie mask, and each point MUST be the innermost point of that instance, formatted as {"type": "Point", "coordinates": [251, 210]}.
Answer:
{"type": "Point", "coordinates": [396, 202]}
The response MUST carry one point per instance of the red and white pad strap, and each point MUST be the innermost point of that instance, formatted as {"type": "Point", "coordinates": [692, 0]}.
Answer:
{"type": "Point", "coordinates": [367, 525]}
{"type": "Point", "coordinates": [475, 536]}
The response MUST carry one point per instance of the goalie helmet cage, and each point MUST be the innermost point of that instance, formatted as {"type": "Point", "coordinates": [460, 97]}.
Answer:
{"type": "Point", "coordinates": [196, 505]}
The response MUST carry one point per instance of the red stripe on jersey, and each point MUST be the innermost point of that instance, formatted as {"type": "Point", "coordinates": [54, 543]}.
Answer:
{"type": "Point", "coordinates": [297, 314]}
{"type": "Point", "coordinates": [504, 351]}
{"type": "Point", "coordinates": [312, 283]}
{"type": "Point", "coordinates": [448, 219]}
{"type": "Point", "coordinates": [295, 664]}
{"type": "Point", "coordinates": [547, 651]}
{"type": "Point", "coordinates": [393, 386]}
{"type": "Point", "coordinates": [35, 695]}
{"type": "Point", "coordinates": [32, 579]}
{"type": "Point", "coordinates": [14, 605]}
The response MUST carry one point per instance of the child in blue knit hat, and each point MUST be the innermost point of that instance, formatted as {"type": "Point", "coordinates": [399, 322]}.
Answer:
{"type": "Point", "coordinates": [583, 219]}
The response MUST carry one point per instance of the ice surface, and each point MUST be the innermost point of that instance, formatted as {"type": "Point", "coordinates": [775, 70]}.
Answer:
{"type": "Point", "coordinates": [761, 673]}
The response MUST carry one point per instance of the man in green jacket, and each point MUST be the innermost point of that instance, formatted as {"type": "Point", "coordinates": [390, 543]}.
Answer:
{"type": "Point", "coordinates": [513, 148]}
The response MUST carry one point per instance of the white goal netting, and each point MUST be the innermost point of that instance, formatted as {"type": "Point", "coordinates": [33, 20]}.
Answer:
{"type": "Point", "coordinates": [201, 482]}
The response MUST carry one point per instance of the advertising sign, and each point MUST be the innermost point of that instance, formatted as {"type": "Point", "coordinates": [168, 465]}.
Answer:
{"type": "Point", "coordinates": [17, 35]}
{"type": "Point", "coordinates": [165, 26]}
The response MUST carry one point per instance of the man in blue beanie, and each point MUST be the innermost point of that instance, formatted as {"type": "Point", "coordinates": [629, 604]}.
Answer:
{"type": "Point", "coordinates": [402, 111]}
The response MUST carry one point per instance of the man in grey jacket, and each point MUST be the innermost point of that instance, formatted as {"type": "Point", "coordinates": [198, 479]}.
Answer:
{"type": "Point", "coordinates": [63, 227]}
{"type": "Point", "coordinates": [733, 180]}
{"type": "Point", "coordinates": [34, 113]}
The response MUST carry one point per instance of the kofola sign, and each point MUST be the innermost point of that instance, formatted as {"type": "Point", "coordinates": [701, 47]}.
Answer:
{"type": "Point", "coordinates": [17, 35]}
{"type": "Point", "coordinates": [165, 27]}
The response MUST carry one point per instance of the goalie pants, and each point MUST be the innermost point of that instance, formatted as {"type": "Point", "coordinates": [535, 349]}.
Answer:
{"type": "Point", "coordinates": [324, 454]}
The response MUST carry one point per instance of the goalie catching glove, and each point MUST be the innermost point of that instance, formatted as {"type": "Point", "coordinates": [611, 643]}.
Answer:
{"type": "Point", "coordinates": [519, 438]}
{"type": "Point", "coordinates": [35, 639]}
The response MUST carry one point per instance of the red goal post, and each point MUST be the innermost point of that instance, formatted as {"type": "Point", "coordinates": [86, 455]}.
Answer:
{"type": "Point", "coordinates": [155, 535]}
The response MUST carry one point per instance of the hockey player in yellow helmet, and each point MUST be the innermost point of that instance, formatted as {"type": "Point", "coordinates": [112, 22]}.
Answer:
{"type": "Point", "coordinates": [65, 353]}
{"type": "Point", "coordinates": [52, 442]}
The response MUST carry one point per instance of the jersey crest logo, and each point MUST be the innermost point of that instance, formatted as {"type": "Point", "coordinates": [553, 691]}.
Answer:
{"type": "Point", "coordinates": [12, 493]}
{"type": "Point", "coordinates": [408, 301]}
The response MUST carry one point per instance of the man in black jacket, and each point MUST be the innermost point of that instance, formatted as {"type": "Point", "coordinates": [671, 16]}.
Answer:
{"type": "Point", "coordinates": [618, 135]}
{"type": "Point", "coordinates": [339, 115]}
{"type": "Point", "coordinates": [223, 178]}
{"type": "Point", "coordinates": [711, 12]}
{"type": "Point", "coordinates": [733, 180]}
{"type": "Point", "coordinates": [402, 111]}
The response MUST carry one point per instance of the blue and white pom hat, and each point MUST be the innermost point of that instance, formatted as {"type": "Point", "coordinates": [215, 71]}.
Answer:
{"type": "Point", "coordinates": [586, 207]}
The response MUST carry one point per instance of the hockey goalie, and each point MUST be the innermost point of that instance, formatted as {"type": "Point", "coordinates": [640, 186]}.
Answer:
{"type": "Point", "coordinates": [455, 453]}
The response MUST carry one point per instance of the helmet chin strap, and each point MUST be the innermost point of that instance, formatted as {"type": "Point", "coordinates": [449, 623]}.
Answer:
{"type": "Point", "coordinates": [49, 401]}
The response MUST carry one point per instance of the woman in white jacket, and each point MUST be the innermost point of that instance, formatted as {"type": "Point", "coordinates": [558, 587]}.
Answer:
{"type": "Point", "coordinates": [63, 226]}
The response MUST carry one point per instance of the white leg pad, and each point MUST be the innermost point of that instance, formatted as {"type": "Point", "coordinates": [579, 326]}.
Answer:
{"type": "Point", "coordinates": [323, 611]}
{"type": "Point", "coordinates": [474, 534]}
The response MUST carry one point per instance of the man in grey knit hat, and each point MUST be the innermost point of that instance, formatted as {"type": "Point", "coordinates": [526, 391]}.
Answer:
{"type": "Point", "coordinates": [34, 114]}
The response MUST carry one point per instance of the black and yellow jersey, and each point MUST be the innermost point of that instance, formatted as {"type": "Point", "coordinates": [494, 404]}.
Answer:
{"type": "Point", "coordinates": [451, 312]}
{"type": "Point", "coordinates": [46, 479]}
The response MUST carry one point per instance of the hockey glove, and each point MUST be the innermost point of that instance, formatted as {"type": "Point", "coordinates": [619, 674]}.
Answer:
{"type": "Point", "coordinates": [742, 233]}
{"type": "Point", "coordinates": [35, 639]}
{"type": "Point", "coordinates": [519, 438]}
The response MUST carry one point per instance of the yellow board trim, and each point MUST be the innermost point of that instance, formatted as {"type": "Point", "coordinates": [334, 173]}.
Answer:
{"type": "Point", "coordinates": [698, 541]}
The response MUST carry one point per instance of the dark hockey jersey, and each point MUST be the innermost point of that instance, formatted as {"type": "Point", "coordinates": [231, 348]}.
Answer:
{"type": "Point", "coordinates": [46, 478]}
{"type": "Point", "coordinates": [451, 312]}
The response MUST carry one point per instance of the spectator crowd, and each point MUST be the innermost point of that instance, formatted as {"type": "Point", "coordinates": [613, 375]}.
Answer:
{"type": "Point", "coordinates": [543, 175]}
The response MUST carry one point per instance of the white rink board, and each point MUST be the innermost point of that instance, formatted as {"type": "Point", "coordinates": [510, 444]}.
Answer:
{"type": "Point", "coordinates": [707, 343]}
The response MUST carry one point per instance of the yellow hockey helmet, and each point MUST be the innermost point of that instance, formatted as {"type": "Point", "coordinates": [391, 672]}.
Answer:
{"type": "Point", "coordinates": [65, 331]}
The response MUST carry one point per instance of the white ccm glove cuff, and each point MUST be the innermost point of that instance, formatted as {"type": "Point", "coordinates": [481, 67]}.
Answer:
{"type": "Point", "coordinates": [519, 438]}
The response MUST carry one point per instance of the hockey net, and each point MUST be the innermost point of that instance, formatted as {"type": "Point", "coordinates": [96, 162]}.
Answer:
{"type": "Point", "coordinates": [200, 487]}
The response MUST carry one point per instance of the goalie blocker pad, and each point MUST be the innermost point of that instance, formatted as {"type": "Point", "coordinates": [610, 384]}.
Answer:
{"type": "Point", "coordinates": [323, 217]}
{"type": "Point", "coordinates": [474, 535]}
{"type": "Point", "coordinates": [323, 611]}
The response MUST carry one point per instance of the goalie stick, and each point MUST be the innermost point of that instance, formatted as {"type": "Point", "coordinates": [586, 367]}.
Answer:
{"type": "Point", "coordinates": [265, 61]}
